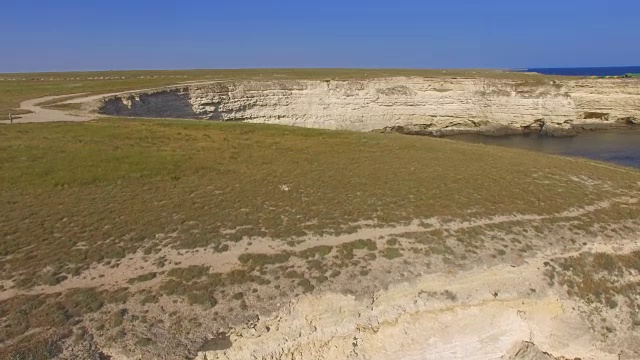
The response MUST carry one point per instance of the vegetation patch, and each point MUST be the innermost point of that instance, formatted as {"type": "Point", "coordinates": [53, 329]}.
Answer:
{"type": "Point", "coordinates": [142, 278]}
{"type": "Point", "coordinates": [391, 253]}
{"type": "Point", "coordinates": [346, 250]}
{"type": "Point", "coordinates": [51, 316]}
{"type": "Point", "coordinates": [599, 278]}
{"type": "Point", "coordinates": [316, 251]}
{"type": "Point", "coordinates": [260, 260]}
{"type": "Point", "coordinates": [35, 346]}
{"type": "Point", "coordinates": [189, 274]}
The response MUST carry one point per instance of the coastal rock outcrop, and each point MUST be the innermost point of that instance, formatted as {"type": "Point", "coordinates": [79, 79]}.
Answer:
{"type": "Point", "coordinates": [529, 351]}
{"type": "Point", "coordinates": [421, 106]}
{"type": "Point", "coordinates": [561, 130]}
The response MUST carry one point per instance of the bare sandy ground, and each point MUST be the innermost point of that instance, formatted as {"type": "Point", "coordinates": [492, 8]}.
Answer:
{"type": "Point", "coordinates": [495, 310]}
{"type": "Point", "coordinates": [40, 114]}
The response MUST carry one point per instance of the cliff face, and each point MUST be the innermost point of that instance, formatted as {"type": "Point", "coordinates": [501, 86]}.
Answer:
{"type": "Point", "coordinates": [394, 103]}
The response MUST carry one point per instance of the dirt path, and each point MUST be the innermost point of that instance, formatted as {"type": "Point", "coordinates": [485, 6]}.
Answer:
{"type": "Point", "coordinates": [40, 114]}
{"type": "Point", "coordinates": [139, 264]}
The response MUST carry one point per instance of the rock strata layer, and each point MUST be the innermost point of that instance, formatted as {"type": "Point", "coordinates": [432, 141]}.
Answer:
{"type": "Point", "coordinates": [427, 106]}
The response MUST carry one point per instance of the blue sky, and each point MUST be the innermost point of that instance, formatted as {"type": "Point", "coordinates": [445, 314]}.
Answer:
{"type": "Point", "coordinates": [65, 35]}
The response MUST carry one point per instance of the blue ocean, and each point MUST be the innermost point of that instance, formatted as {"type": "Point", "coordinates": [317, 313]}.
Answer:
{"type": "Point", "coordinates": [587, 71]}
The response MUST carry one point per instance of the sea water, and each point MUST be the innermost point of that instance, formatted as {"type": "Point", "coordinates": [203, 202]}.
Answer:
{"type": "Point", "coordinates": [620, 147]}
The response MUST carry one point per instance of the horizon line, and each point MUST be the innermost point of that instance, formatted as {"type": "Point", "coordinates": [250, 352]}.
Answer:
{"type": "Point", "coordinates": [319, 68]}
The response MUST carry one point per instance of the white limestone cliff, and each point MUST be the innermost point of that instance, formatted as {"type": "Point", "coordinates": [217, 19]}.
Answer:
{"type": "Point", "coordinates": [394, 103]}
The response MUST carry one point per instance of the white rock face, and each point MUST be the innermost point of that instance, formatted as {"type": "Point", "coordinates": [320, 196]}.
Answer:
{"type": "Point", "coordinates": [409, 322]}
{"type": "Point", "coordinates": [367, 105]}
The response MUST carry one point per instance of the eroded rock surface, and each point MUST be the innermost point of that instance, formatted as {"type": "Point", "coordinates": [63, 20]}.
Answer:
{"type": "Point", "coordinates": [423, 106]}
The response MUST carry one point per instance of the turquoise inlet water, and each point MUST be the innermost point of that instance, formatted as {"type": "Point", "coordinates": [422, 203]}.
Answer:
{"type": "Point", "coordinates": [618, 147]}
{"type": "Point", "coordinates": [588, 71]}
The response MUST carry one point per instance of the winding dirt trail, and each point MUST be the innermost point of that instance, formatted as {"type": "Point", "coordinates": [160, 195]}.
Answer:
{"type": "Point", "coordinates": [40, 114]}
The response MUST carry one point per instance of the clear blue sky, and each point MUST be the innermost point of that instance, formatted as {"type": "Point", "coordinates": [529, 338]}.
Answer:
{"type": "Point", "coordinates": [48, 35]}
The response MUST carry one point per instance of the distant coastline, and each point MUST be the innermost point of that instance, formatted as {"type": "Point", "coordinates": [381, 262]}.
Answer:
{"type": "Point", "coordinates": [585, 71]}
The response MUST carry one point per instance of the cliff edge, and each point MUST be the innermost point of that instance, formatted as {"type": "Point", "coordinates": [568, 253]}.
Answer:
{"type": "Point", "coordinates": [429, 106]}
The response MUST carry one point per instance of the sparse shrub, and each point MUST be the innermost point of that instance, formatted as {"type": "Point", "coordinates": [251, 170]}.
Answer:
{"type": "Point", "coordinates": [201, 297]}
{"type": "Point", "coordinates": [38, 346]}
{"type": "Point", "coordinates": [82, 301]}
{"type": "Point", "coordinates": [292, 274]}
{"type": "Point", "coordinates": [189, 274]}
{"type": "Point", "coordinates": [222, 248]}
{"type": "Point", "coordinates": [450, 295]}
{"type": "Point", "coordinates": [118, 317]}
{"type": "Point", "coordinates": [260, 260]}
{"type": "Point", "coordinates": [346, 250]}
{"type": "Point", "coordinates": [320, 251]}
{"type": "Point", "coordinates": [145, 341]}
{"type": "Point", "coordinates": [321, 279]}
{"type": "Point", "coordinates": [53, 279]}
{"type": "Point", "coordinates": [306, 286]}
{"type": "Point", "coordinates": [391, 253]}
{"type": "Point", "coordinates": [149, 299]}
{"type": "Point", "coordinates": [142, 278]}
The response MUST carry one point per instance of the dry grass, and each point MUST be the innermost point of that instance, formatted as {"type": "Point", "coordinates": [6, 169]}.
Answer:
{"type": "Point", "coordinates": [607, 285]}
{"type": "Point", "coordinates": [599, 278]}
{"type": "Point", "coordinates": [76, 195]}
{"type": "Point", "coordinates": [39, 322]}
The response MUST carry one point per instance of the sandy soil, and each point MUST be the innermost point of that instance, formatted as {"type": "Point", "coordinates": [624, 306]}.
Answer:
{"type": "Point", "coordinates": [41, 114]}
{"type": "Point", "coordinates": [493, 312]}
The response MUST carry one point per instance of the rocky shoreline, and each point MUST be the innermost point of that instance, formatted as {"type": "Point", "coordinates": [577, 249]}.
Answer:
{"type": "Point", "coordinates": [498, 130]}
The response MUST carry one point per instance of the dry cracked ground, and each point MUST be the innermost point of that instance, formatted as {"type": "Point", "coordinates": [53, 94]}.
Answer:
{"type": "Point", "coordinates": [140, 239]}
